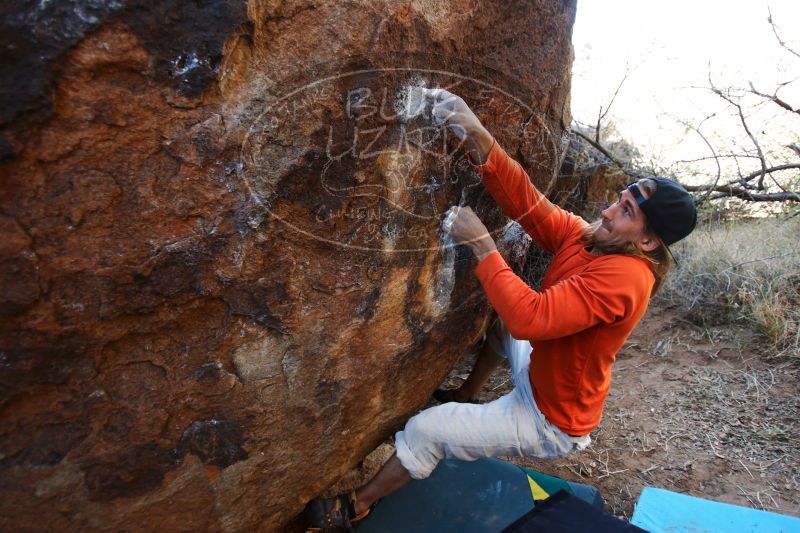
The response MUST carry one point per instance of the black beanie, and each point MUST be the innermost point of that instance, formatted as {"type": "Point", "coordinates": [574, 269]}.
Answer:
{"type": "Point", "coordinates": [670, 211]}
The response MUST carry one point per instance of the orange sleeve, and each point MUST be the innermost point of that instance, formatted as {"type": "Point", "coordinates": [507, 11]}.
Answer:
{"type": "Point", "coordinates": [606, 292]}
{"type": "Point", "coordinates": [507, 182]}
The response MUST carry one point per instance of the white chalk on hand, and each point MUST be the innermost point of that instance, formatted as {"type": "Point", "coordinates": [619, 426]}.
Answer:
{"type": "Point", "coordinates": [416, 99]}
{"type": "Point", "coordinates": [452, 213]}
{"type": "Point", "coordinates": [444, 108]}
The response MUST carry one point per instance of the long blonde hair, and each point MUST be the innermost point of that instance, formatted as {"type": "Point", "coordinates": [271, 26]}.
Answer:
{"type": "Point", "coordinates": [659, 258]}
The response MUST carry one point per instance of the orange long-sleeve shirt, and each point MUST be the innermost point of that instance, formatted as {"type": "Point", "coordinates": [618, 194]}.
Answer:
{"type": "Point", "coordinates": [587, 307]}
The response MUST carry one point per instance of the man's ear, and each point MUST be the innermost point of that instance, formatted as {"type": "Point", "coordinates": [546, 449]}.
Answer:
{"type": "Point", "coordinates": [648, 242]}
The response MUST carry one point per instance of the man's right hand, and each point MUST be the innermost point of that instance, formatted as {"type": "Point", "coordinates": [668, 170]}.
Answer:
{"type": "Point", "coordinates": [451, 111]}
{"type": "Point", "coordinates": [464, 226]}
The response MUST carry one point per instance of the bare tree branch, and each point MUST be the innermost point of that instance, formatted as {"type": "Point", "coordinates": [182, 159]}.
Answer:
{"type": "Point", "coordinates": [751, 187]}
{"type": "Point", "coordinates": [753, 197]}
{"type": "Point", "coordinates": [743, 181]}
{"type": "Point", "coordinates": [599, 148]}
{"type": "Point", "coordinates": [729, 155]}
{"type": "Point", "coordinates": [725, 190]}
{"type": "Point", "coordinates": [738, 107]}
{"type": "Point", "coordinates": [696, 129]}
{"type": "Point", "coordinates": [775, 31]}
{"type": "Point", "coordinates": [737, 192]}
{"type": "Point", "coordinates": [774, 98]}
{"type": "Point", "coordinates": [770, 170]}
{"type": "Point", "coordinates": [602, 114]}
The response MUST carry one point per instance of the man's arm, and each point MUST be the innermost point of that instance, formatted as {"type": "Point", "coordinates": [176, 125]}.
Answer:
{"type": "Point", "coordinates": [505, 179]}
{"type": "Point", "coordinates": [609, 290]}
{"type": "Point", "coordinates": [479, 143]}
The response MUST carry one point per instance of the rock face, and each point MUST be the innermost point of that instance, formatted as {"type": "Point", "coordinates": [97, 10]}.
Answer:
{"type": "Point", "coordinates": [222, 281]}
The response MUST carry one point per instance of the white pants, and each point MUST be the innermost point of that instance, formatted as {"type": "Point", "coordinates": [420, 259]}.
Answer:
{"type": "Point", "coordinates": [511, 425]}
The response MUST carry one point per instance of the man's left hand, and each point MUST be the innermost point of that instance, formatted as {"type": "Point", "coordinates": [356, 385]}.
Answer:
{"type": "Point", "coordinates": [464, 226]}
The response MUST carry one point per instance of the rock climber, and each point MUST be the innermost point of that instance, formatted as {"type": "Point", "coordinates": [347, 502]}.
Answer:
{"type": "Point", "coordinates": [560, 341]}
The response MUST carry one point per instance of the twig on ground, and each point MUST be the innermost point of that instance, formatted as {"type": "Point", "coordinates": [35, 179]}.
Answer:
{"type": "Point", "coordinates": [773, 501]}
{"type": "Point", "coordinates": [666, 442]}
{"type": "Point", "coordinates": [713, 450]}
{"type": "Point", "coordinates": [612, 473]}
{"type": "Point", "coordinates": [649, 469]}
{"type": "Point", "coordinates": [744, 493]}
{"type": "Point", "coordinates": [758, 497]}
{"type": "Point", "coordinates": [764, 467]}
{"type": "Point", "coordinates": [748, 470]}
{"type": "Point", "coordinates": [569, 467]}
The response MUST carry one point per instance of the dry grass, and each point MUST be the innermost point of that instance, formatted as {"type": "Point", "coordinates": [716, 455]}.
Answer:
{"type": "Point", "coordinates": [748, 271]}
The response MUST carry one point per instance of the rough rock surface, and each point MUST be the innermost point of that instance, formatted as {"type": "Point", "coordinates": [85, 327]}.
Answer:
{"type": "Point", "coordinates": [222, 281]}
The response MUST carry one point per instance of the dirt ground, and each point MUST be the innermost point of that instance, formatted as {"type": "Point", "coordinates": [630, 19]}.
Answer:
{"type": "Point", "coordinates": [693, 410]}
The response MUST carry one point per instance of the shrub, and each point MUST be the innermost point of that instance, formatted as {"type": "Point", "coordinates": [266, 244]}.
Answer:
{"type": "Point", "coordinates": [744, 271]}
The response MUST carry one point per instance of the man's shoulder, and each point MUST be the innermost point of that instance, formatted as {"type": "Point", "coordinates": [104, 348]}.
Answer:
{"type": "Point", "coordinates": [576, 226]}
{"type": "Point", "coordinates": [627, 277]}
{"type": "Point", "coordinates": [625, 261]}
{"type": "Point", "coordinates": [626, 266]}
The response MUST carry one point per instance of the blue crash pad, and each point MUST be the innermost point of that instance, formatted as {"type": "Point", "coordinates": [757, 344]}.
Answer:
{"type": "Point", "coordinates": [660, 510]}
{"type": "Point", "coordinates": [482, 496]}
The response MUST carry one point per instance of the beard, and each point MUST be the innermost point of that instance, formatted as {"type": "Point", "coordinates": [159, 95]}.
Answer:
{"type": "Point", "coordinates": [604, 245]}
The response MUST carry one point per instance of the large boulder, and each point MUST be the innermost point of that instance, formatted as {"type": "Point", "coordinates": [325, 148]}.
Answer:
{"type": "Point", "coordinates": [222, 278]}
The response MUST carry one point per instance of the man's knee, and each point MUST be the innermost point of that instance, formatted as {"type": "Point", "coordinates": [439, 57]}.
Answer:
{"type": "Point", "coordinates": [419, 445]}
{"type": "Point", "coordinates": [424, 426]}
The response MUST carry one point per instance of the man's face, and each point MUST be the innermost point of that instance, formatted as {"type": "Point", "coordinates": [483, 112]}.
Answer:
{"type": "Point", "coordinates": [622, 222]}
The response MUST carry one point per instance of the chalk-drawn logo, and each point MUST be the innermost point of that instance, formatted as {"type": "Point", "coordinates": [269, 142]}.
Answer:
{"type": "Point", "coordinates": [356, 158]}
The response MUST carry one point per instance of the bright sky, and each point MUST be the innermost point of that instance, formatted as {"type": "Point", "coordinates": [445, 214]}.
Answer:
{"type": "Point", "coordinates": [667, 48]}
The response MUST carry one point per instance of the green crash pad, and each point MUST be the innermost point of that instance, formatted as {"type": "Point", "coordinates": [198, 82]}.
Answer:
{"type": "Point", "coordinates": [480, 496]}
